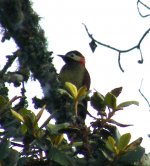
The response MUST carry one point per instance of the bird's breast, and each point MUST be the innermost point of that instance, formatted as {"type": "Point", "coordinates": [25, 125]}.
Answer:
{"type": "Point", "coordinates": [74, 74]}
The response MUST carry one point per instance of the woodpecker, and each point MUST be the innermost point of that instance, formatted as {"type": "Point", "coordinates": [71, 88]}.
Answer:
{"type": "Point", "coordinates": [74, 71]}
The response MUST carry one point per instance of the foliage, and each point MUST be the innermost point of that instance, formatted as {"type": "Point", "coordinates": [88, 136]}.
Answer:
{"type": "Point", "coordinates": [48, 144]}
{"type": "Point", "coordinates": [68, 142]}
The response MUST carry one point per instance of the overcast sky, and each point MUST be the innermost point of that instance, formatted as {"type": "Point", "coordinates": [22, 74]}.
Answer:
{"type": "Point", "coordinates": [116, 23]}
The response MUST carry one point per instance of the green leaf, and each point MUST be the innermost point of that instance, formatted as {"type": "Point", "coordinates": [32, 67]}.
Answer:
{"type": "Point", "coordinates": [64, 92]}
{"type": "Point", "coordinates": [3, 104]}
{"type": "Point", "coordinates": [28, 116]}
{"type": "Point", "coordinates": [116, 92]}
{"type": "Point", "coordinates": [101, 160]}
{"type": "Point", "coordinates": [123, 141]}
{"type": "Point", "coordinates": [127, 103]}
{"type": "Point", "coordinates": [97, 102]}
{"type": "Point", "coordinates": [4, 149]}
{"type": "Point", "coordinates": [58, 139]}
{"type": "Point", "coordinates": [82, 92]}
{"type": "Point", "coordinates": [23, 161]}
{"type": "Point", "coordinates": [133, 145]}
{"type": "Point", "coordinates": [26, 112]}
{"type": "Point", "coordinates": [3, 101]}
{"type": "Point", "coordinates": [72, 89]}
{"type": "Point", "coordinates": [111, 144]}
{"type": "Point", "coordinates": [60, 157]}
{"type": "Point", "coordinates": [55, 128]}
{"type": "Point", "coordinates": [12, 158]}
{"type": "Point", "coordinates": [119, 124]}
{"type": "Point", "coordinates": [24, 129]}
{"type": "Point", "coordinates": [132, 157]}
{"type": "Point", "coordinates": [38, 116]}
{"type": "Point", "coordinates": [17, 116]}
{"type": "Point", "coordinates": [111, 131]}
{"type": "Point", "coordinates": [110, 100]}
{"type": "Point", "coordinates": [77, 144]}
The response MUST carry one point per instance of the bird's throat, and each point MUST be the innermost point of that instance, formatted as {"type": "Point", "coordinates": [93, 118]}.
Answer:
{"type": "Point", "coordinates": [82, 61]}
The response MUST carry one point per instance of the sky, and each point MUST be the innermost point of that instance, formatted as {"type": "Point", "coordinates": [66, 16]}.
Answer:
{"type": "Point", "coordinates": [116, 23]}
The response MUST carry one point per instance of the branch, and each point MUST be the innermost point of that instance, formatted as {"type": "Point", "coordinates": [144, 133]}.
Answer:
{"type": "Point", "coordinates": [17, 144]}
{"type": "Point", "coordinates": [138, 46]}
{"type": "Point", "coordinates": [13, 77]}
{"type": "Point", "coordinates": [143, 94]}
{"type": "Point", "coordinates": [22, 24]}
{"type": "Point", "coordinates": [147, 7]}
{"type": "Point", "coordinates": [8, 64]}
{"type": "Point", "coordinates": [119, 63]}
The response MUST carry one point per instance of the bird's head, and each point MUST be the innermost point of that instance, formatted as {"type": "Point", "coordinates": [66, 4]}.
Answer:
{"type": "Point", "coordinates": [73, 56]}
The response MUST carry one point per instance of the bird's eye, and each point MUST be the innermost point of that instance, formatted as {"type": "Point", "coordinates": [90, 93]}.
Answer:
{"type": "Point", "coordinates": [72, 55]}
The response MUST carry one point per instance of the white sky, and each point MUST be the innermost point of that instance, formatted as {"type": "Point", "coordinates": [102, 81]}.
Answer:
{"type": "Point", "coordinates": [116, 23]}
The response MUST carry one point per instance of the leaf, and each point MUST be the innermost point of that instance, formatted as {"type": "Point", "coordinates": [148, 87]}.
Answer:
{"type": "Point", "coordinates": [116, 92]}
{"type": "Point", "coordinates": [69, 130]}
{"type": "Point", "coordinates": [60, 157]}
{"type": "Point", "coordinates": [133, 145]}
{"type": "Point", "coordinates": [111, 144]}
{"type": "Point", "coordinates": [17, 116]}
{"type": "Point", "coordinates": [119, 124]}
{"type": "Point", "coordinates": [4, 149]}
{"type": "Point", "coordinates": [3, 104]}
{"type": "Point", "coordinates": [3, 101]}
{"type": "Point", "coordinates": [77, 144]}
{"type": "Point", "coordinates": [132, 157]}
{"type": "Point", "coordinates": [97, 102]}
{"type": "Point", "coordinates": [28, 116]}
{"type": "Point", "coordinates": [38, 116]}
{"type": "Point", "coordinates": [29, 122]}
{"type": "Point", "coordinates": [24, 129]}
{"type": "Point", "coordinates": [111, 141]}
{"type": "Point", "coordinates": [113, 131]}
{"type": "Point", "coordinates": [110, 100]}
{"type": "Point", "coordinates": [12, 158]}
{"type": "Point", "coordinates": [72, 89]}
{"type": "Point", "coordinates": [82, 92]}
{"type": "Point", "coordinates": [58, 139]}
{"type": "Point", "coordinates": [55, 128]}
{"type": "Point", "coordinates": [26, 112]}
{"type": "Point", "coordinates": [127, 103]}
{"type": "Point", "coordinates": [64, 93]}
{"type": "Point", "coordinates": [123, 141]}
{"type": "Point", "coordinates": [93, 45]}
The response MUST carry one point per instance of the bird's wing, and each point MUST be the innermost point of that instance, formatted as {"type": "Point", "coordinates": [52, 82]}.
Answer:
{"type": "Point", "coordinates": [87, 80]}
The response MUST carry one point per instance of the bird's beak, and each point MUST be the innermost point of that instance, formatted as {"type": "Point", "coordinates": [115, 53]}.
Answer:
{"type": "Point", "coordinates": [62, 56]}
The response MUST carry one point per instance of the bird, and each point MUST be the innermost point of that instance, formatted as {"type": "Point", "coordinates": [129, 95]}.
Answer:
{"type": "Point", "coordinates": [75, 72]}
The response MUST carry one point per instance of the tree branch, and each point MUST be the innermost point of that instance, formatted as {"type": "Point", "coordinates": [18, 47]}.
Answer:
{"type": "Point", "coordinates": [138, 46]}
{"type": "Point", "coordinates": [119, 63]}
{"type": "Point", "coordinates": [143, 4]}
{"type": "Point", "coordinates": [143, 94]}
{"type": "Point", "coordinates": [8, 64]}
{"type": "Point", "coordinates": [21, 23]}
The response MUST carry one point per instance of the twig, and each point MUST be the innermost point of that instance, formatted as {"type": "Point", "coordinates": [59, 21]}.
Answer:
{"type": "Point", "coordinates": [119, 63]}
{"type": "Point", "coordinates": [17, 144]}
{"type": "Point", "coordinates": [147, 7]}
{"type": "Point", "coordinates": [14, 99]}
{"type": "Point", "coordinates": [119, 50]}
{"type": "Point", "coordinates": [8, 64]}
{"type": "Point", "coordinates": [143, 94]}
{"type": "Point", "coordinates": [48, 119]}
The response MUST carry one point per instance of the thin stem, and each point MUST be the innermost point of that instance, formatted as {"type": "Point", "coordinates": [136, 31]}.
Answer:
{"type": "Point", "coordinates": [76, 107]}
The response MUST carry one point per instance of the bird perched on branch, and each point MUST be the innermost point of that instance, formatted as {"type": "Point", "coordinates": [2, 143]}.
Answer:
{"type": "Point", "coordinates": [74, 71]}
